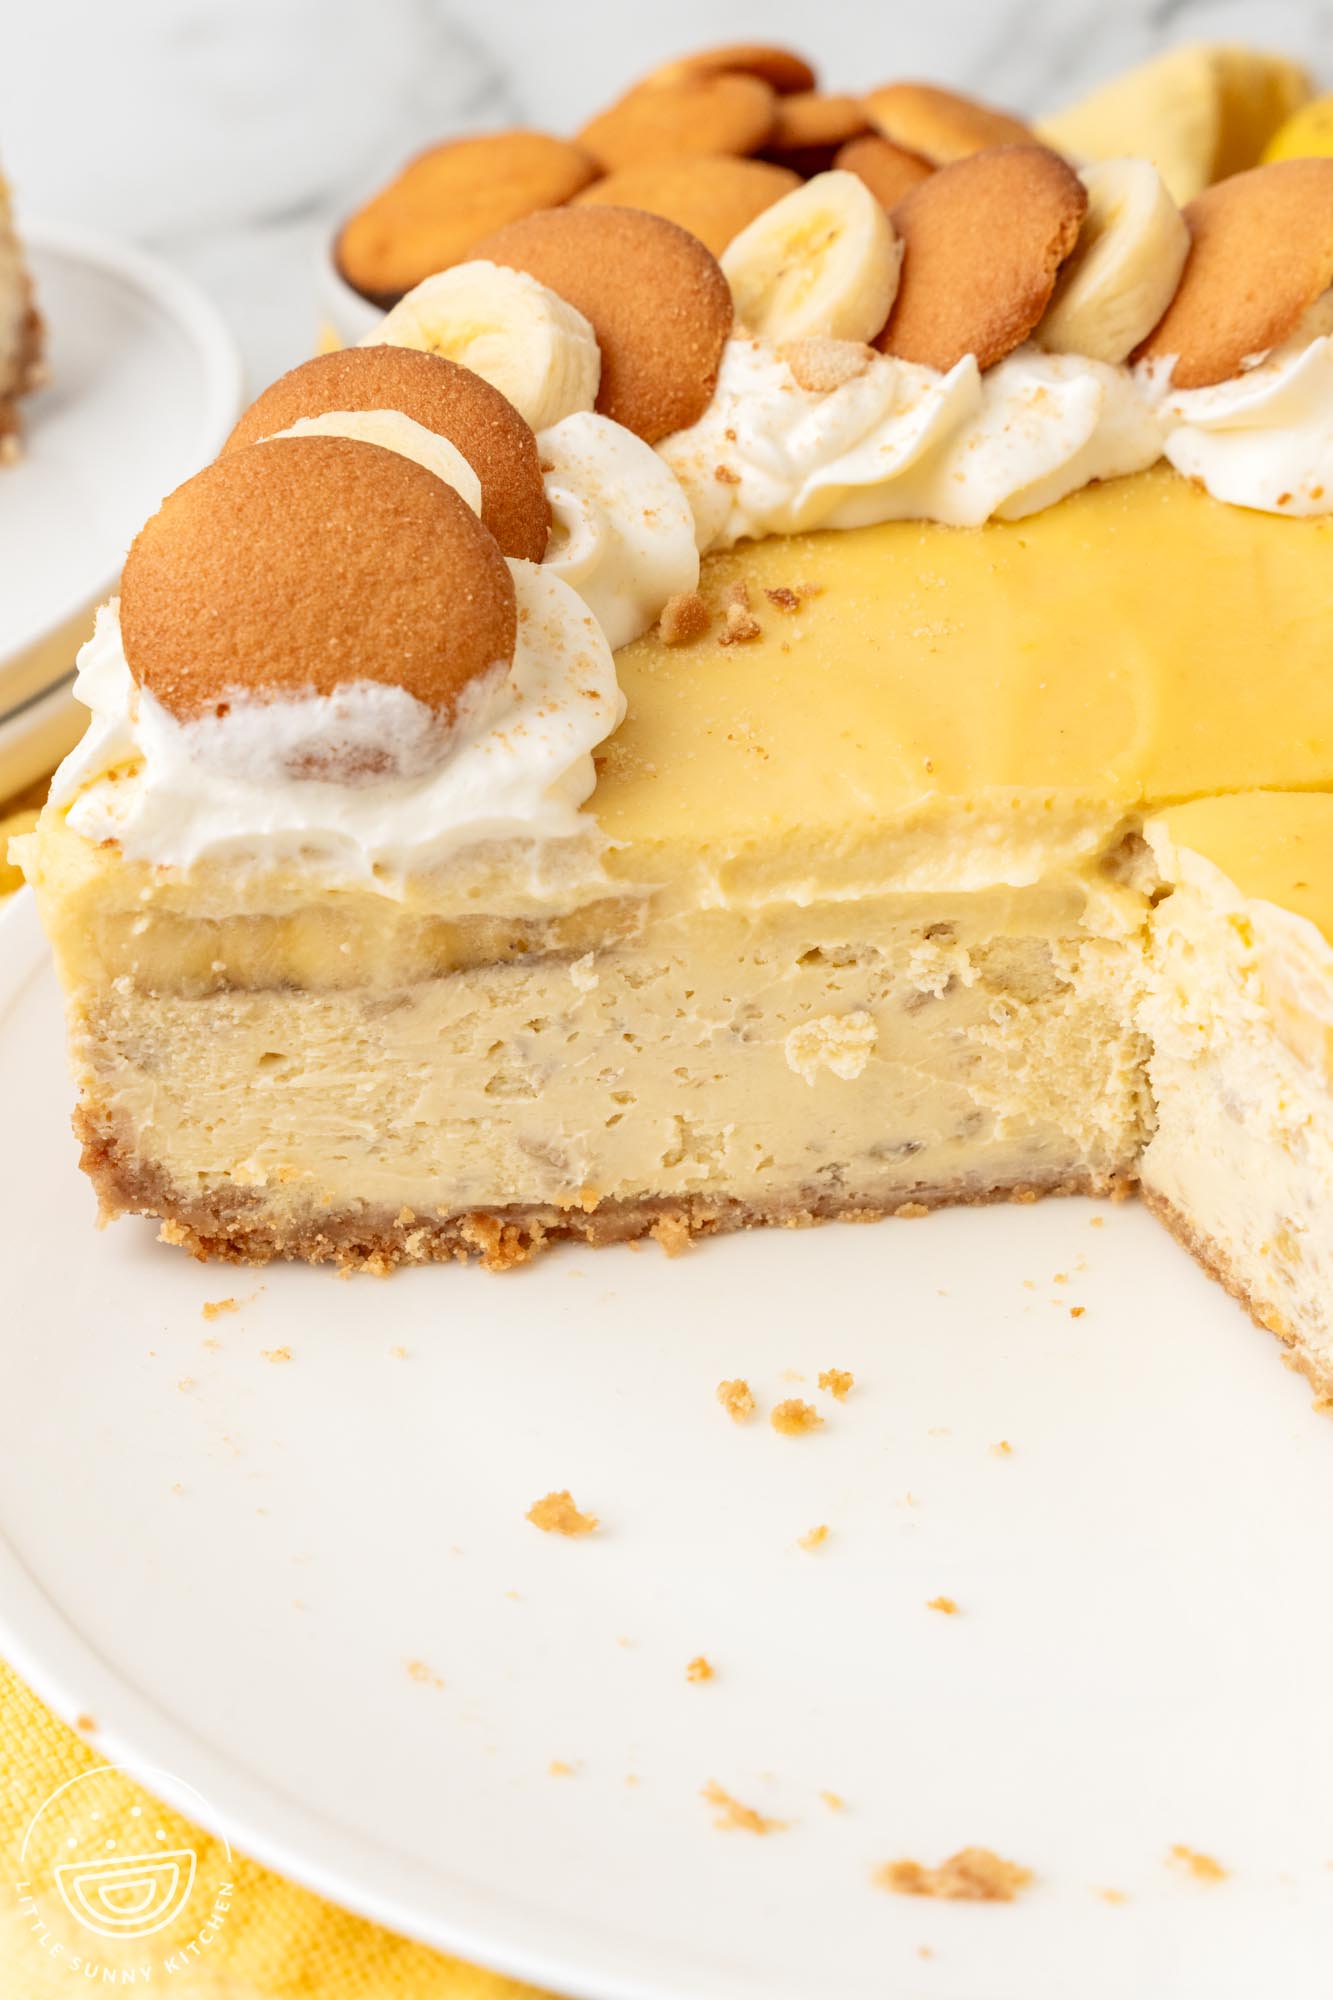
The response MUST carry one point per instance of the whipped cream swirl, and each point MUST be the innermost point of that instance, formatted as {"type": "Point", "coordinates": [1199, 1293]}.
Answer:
{"type": "Point", "coordinates": [622, 534]}
{"type": "Point", "coordinates": [902, 442]}
{"type": "Point", "coordinates": [1264, 438]}
{"type": "Point", "coordinates": [518, 764]}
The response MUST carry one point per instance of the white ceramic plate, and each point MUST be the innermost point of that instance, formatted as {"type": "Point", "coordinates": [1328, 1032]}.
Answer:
{"type": "Point", "coordinates": [229, 1562]}
{"type": "Point", "coordinates": [145, 384]}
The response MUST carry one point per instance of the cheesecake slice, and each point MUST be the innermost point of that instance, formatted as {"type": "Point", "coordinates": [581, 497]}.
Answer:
{"type": "Point", "coordinates": [863, 920]}
{"type": "Point", "coordinates": [21, 340]}
{"type": "Point", "coordinates": [727, 779]}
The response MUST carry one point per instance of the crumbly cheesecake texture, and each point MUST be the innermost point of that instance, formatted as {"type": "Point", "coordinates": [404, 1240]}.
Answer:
{"type": "Point", "coordinates": [927, 863]}
{"type": "Point", "coordinates": [20, 330]}
{"type": "Point", "coordinates": [1239, 1015]}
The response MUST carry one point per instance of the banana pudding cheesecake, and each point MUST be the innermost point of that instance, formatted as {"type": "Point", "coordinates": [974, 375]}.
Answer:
{"type": "Point", "coordinates": [20, 329]}
{"type": "Point", "coordinates": [653, 743]}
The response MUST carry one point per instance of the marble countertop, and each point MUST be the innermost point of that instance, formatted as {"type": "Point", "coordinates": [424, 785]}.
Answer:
{"type": "Point", "coordinates": [229, 135]}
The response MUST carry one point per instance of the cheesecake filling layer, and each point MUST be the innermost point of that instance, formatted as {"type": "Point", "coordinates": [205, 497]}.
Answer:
{"type": "Point", "coordinates": [818, 1060]}
{"type": "Point", "coordinates": [1239, 1016]}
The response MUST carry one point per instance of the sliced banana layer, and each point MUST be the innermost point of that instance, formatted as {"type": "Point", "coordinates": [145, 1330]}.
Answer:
{"type": "Point", "coordinates": [1125, 267]}
{"type": "Point", "coordinates": [522, 338]}
{"type": "Point", "coordinates": [396, 432]}
{"type": "Point", "coordinates": [822, 261]}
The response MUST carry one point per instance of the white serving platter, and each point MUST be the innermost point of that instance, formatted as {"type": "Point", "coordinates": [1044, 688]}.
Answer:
{"type": "Point", "coordinates": [145, 382]}
{"type": "Point", "coordinates": [229, 1562]}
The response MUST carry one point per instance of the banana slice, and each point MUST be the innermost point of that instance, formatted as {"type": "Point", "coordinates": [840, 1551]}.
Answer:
{"type": "Point", "coordinates": [1125, 267]}
{"type": "Point", "coordinates": [394, 431]}
{"type": "Point", "coordinates": [1198, 112]}
{"type": "Point", "coordinates": [523, 339]}
{"type": "Point", "coordinates": [822, 261]}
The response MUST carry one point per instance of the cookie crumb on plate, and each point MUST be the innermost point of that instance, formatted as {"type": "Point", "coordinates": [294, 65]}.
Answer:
{"type": "Point", "coordinates": [556, 1514]}
{"type": "Point", "coordinates": [972, 1875]}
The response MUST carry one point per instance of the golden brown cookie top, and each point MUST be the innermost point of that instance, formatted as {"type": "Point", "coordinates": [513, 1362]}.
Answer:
{"type": "Point", "coordinates": [431, 214]}
{"type": "Point", "coordinates": [781, 68]}
{"type": "Point", "coordinates": [724, 112]}
{"type": "Point", "coordinates": [655, 297]}
{"type": "Point", "coordinates": [1261, 252]}
{"type": "Point", "coordinates": [712, 196]}
{"type": "Point", "coordinates": [301, 565]}
{"type": "Point", "coordinates": [447, 399]}
{"type": "Point", "coordinates": [984, 241]}
{"type": "Point", "coordinates": [941, 125]}
{"type": "Point", "coordinates": [889, 171]}
{"type": "Point", "coordinates": [810, 125]}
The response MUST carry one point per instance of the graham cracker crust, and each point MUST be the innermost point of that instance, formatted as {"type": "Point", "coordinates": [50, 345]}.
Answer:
{"type": "Point", "coordinates": [1206, 1253]}
{"type": "Point", "coordinates": [232, 1227]}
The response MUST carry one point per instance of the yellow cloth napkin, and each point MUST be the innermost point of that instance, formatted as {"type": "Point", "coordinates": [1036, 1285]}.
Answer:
{"type": "Point", "coordinates": [274, 1941]}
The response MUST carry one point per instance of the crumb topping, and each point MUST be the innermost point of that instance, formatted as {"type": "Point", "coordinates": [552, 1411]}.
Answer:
{"type": "Point", "coordinates": [1202, 1867]}
{"type": "Point", "coordinates": [734, 1817]}
{"type": "Point", "coordinates": [684, 618]}
{"type": "Point", "coordinates": [736, 1399]}
{"type": "Point", "coordinates": [425, 1675]}
{"type": "Point", "coordinates": [823, 365]}
{"type": "Point", "coordinates": [794, 1417]}
{"type": "Point", "coordinates": [838, 1382]}
{"type": "Point", "coordinates": [556, 1514]}
{"type": "Point", "coordinates": [972, 1875]}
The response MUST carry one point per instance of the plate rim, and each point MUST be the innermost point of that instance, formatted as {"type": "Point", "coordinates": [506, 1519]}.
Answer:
{"type": "Point", "coordinates": [194, 312]}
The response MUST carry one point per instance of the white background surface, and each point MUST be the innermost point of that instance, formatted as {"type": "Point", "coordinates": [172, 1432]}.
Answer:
{"type": "Point", "coordinates": [230, 1561]}
{"type": "Point", "coordinates": [231, 134]}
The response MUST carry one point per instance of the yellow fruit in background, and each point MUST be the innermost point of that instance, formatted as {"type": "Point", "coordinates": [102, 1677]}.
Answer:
{"type": "Point", "coordinates": [1308, 134]}
{"type": "Point", "coordinates": [1198, 113]}
{"type": "Point", "coordinates": [1258, 94]}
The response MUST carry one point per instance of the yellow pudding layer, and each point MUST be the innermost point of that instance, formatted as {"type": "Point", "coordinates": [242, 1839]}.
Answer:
{"type": "Point", "coordinates": [1140, 643]}
{"type": "Point", "coordinates": [948, 709]}
{"type": "Point", "coordinates": [1276, 847]}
